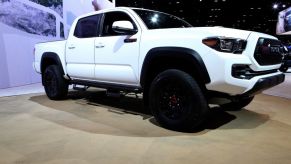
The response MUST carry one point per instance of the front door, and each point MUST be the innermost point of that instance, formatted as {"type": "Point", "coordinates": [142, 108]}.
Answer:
{"type": "Point", "coordinates": [116, 54]}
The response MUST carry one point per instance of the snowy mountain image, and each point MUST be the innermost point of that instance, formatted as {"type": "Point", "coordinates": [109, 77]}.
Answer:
{"type": "Point", "coordinates": [56, 5]}
{"type": "Point", "coordinates": [33, 17]}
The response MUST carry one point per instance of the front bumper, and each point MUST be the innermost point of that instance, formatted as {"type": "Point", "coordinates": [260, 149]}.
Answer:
{"type": "Point", "coordinates": [226, 76]}
{"type": "Point", "coordinates": [265, 83]}
{"type": "Point", "coordinates": [224, 80]}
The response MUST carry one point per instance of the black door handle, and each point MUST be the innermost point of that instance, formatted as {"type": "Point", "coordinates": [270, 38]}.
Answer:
{"type": "Point", "coordinates": [129, 40]}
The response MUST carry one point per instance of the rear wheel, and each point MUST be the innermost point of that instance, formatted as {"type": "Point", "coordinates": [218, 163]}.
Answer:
{"type": "Point", "coordinates": [177, 101]}
{"type": "Point", "coordinates": [56, 87]}
{"type": "Point", "coordinates": [237, 104]}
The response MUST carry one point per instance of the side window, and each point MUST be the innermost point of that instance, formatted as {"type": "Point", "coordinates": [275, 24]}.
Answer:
{"type": "Point", "coordinates": [111, 17]}
{"type": "Point", "coordinates": [87, 27]}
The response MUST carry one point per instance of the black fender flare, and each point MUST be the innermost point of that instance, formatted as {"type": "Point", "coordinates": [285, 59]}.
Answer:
{"type": "Point", "coordinates": [49, 58]}
{"type": "Point", "coordinates": [178, 52]}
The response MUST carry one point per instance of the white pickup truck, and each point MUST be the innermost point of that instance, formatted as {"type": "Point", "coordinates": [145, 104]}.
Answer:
{"type": "Point", "coordinates": [180, 69]}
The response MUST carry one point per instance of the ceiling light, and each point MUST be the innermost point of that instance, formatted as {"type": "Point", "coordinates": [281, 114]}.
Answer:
{"type": "Point", "coordinates": [275, 6]}
{"type": "Point", "coordinates": [154, 19]}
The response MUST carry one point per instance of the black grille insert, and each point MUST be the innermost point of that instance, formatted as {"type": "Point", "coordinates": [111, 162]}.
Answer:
{"type": "Point", "coordinates": [269, 52]}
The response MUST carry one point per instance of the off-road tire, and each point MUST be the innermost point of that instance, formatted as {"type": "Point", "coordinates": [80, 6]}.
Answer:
{"type": "Point", "coordinates": [177, 101]}
{"type": "Point", "coordinates": [284, 68]}
{"type": "Point", "coordinates": [56, 87]}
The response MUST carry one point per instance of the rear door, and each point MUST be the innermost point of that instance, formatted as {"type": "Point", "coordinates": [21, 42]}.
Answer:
{"type": "Point", "coordinates": [80, 49]}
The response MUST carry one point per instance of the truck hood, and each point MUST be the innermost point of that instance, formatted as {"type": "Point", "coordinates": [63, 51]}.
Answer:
{"type": "Point", "coordinates": [202, 32]}
{"type": "Point", "coordinates": [221, 31]}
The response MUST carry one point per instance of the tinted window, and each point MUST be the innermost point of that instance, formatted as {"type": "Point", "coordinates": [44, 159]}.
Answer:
{"type": "Point", "coordinates": [87, 27]}
{"type": "Point", "coordinates": [112, 17]}
{"type": "Point", "coordinates": [62, 33]}
{"type": "Point", "coordinates": [158, 20]}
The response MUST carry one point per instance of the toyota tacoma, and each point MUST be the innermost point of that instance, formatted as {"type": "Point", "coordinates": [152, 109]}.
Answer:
{"type": "Point", "coordinates": [180, 69]}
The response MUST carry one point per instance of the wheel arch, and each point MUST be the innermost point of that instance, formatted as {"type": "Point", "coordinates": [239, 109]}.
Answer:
{"type": "Point", "coordinates": [161, 58]}
{"type": "Point", "coordinates": [51, 58]}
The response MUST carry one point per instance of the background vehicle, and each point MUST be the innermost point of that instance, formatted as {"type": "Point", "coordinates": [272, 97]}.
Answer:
{"type": "Point", "coordinates": [288, 21]}
{"type": "Point", "coordinates": [178, 68]}
{"type": "Point", "coordinates": [286, 60]}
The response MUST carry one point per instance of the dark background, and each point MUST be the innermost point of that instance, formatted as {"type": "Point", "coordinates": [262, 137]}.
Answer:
{"type": "Point", "coordinates": [255, 15]}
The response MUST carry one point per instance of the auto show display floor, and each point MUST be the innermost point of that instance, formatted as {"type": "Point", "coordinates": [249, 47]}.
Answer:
{"type": "Point", "coordinates": [89, 127]}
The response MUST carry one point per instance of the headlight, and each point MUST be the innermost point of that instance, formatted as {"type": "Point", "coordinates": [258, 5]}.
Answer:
{"type": "Point", "coordinates": [223, 44]}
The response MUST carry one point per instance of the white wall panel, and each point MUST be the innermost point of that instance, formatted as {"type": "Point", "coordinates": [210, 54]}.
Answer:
{"type": "Point", "coordinates": [22, 26]}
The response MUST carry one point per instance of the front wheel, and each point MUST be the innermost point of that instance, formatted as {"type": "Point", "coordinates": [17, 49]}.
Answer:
{"type": "Point", "coordinates": [56, 87]}
{"type": "Point", "coordinates": [177, 101]}
{"type": "Point", "coordinates": [284, 68]}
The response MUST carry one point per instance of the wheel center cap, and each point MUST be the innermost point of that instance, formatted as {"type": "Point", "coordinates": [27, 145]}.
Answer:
{"type": "Point", "coordinates": [173, 100]}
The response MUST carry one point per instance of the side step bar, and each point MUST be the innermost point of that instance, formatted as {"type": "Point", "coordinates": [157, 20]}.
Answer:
{"type": "Point", "coordinates": [118, 87]}
{"type": "Point", "coordinates": [80, 87]}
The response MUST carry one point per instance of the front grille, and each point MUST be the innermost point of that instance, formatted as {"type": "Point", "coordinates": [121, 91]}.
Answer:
{"type": "Point", "coordinates": [269, 52]}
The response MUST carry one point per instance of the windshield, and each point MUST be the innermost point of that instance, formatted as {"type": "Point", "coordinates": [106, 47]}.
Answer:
{"type": "Point", "coordinates": [159, 20]}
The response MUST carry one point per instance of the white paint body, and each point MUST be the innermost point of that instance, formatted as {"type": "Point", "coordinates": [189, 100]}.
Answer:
{"type": "Point", "coordinates": [110, 60]}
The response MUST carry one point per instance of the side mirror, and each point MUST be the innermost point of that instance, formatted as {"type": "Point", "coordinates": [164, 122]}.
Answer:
{"type": "Point", "coordinates": [123, 27]}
